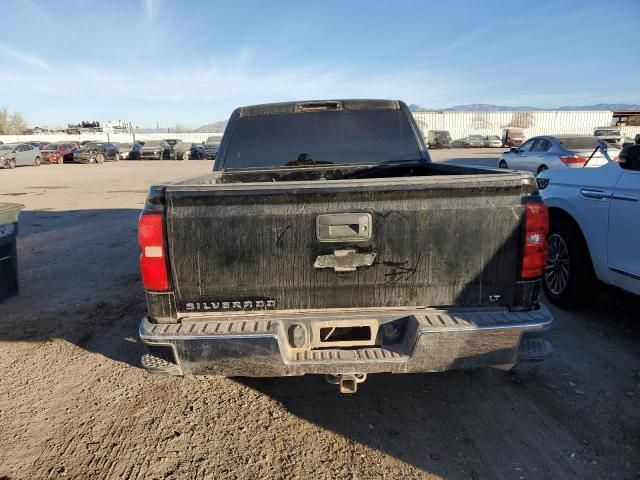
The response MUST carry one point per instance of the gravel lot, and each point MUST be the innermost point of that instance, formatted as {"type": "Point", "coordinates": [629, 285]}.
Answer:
{"type": "Point", "coordinates": [74, 402]}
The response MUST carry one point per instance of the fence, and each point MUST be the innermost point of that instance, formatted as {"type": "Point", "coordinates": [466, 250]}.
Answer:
{"type": "Point", "coordinates": [109, 137]}
{"type": "Point", "coordinates": [462, 124]}
{"type": "Point", "coordinates": [630, 132]}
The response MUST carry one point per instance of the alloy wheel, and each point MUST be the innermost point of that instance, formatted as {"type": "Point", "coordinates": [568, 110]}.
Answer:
{"type": "Point", "coordinates": [556, 274]}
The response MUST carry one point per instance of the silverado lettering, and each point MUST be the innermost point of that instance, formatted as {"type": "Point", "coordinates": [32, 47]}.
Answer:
{"type": "Point", "coordinates": [230, 305]}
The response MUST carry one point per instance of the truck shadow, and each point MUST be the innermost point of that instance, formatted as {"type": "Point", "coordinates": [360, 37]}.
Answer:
{"type": "Point", "coordinates": [427, 420]}
{"type": "Point", "coordinates": [79, 281]}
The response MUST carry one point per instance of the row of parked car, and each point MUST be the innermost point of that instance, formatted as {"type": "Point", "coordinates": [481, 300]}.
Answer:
{"type": "Point", "coordinates": [514, 137]}
{"type": "Point", "coordinates": [36, 152]}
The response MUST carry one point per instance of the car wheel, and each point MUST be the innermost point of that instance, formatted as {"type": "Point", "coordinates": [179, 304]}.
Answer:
{"type": "Point", "coordinates": [542, 168]}
{"type": "Point", "coordinates": [502, 164]}
{"type": "Point", "coordinates": [186, 155]}
{"type": "Point", "coordinates": [100, 158]}
{"type": "Point", "coordinates": [37, 162]}
{"type": "Point", "coordinates": [12, 163]}
{"type": "Point", "coordinates": [569, 279]}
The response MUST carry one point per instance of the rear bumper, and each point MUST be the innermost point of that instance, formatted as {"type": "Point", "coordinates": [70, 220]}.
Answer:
{"type": "Point", "coordinates": [259, 345]}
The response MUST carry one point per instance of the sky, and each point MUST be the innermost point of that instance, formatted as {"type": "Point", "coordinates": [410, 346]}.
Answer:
{"type": "Point", "coordinates": [168, 62]}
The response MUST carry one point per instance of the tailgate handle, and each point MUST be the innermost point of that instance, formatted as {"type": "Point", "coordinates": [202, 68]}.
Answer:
{"type": "Point", "coordinates": [343, 227]}
{"type": "Point", "coordinates": [345, 260]}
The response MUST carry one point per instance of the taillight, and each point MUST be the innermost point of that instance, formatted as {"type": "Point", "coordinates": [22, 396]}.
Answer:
{"type": "Point", "coordinates": [572, 159]}
{"type": "Point", "coordinates": [534, 256]}
{"type": "Point", "coordinates": [152, 259]}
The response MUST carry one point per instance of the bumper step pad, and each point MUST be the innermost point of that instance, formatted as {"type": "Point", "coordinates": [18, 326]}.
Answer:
{"type": "Point", "coordinates": [534, 349]}
{"type": "Point", "coordinates": [156, 364]}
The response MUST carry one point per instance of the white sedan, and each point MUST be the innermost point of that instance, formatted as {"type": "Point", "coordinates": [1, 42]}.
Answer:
{"type": "Point", "coordinates": [594, 235]}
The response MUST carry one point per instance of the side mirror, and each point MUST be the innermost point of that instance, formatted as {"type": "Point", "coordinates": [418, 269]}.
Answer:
{"type": "Point", "coordinates": [604, 146]}
{"type": "Point", "coordinates": [513, 149]}
{"type": "Point", "coordinates": [630, 158]}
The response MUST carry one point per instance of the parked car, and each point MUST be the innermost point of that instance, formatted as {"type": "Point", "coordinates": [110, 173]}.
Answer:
{"type": "Point", "coordinates": [58, 152]}
{"type": "Point", "coordinates": [611, 135]}
{"type": "Point", "coordinates": [561, 151]}
{"type": "Point", "coordinates": [125, 150]}
{"type": "Point", "coordinates": [474, 141]}
{"type": "Point", "coordinates": [512, 137]}
{"type": "Point", "coordinates": [594, 233]}
{"type": "Point", "coordinates": [19, 154]}
{"type": "Point", "coordinates": [188, 151]}
{"type": "Point", "coordinates": [492, 141]}
{"type": "Point", "coordinates": [97, 152]}
{"type": "Point", "coordinates": [211, 147]}
{"type": "Point", "coordinates": [152, 150]}
{"type": "Point", "coordinates": [38, 144]}
{"type": "Point", "coordinates": [438, 139]}
{"type": "Point", "coordinates": [326, 241]}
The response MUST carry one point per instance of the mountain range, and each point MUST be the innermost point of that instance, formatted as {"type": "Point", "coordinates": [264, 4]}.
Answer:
{"type": "Point", "coordinates": [218, 127]}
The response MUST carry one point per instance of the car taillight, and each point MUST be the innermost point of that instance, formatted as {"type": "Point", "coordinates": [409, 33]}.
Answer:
{"type": "Point", "coordinates": [534, 256]}
{"type": "Point", "coordinates": [153, 265]}
{"type": "Point", "coordinates": [572, 159]}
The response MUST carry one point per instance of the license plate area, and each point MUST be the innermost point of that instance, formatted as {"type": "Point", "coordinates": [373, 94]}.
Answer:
{"type": "Point", "coordinates": [343, 333]}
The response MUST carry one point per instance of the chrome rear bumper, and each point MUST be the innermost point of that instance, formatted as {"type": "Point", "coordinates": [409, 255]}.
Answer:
{"type": "Point", "coordinates": [424, 340]}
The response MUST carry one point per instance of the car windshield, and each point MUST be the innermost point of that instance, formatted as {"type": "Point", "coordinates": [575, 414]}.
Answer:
{"type": "Point", "coordinates": [604, 133]}
{"type": "Point", "coordinates": [125, 145]}
{"type": "Point", "coordinates": [443, 135]}
{"type": "Point", "coordinates": [93, 146]}
{"type": "Point", "coordinates": [308, 138]}
{"type": "Point", "coordinates": [50, 146]}
{"type": "Point", "coordinates": [476, 137]}
{"type": "Point", "coordinates": [578, 143]}
{"type": "Point", "coordinates": [152, 143]}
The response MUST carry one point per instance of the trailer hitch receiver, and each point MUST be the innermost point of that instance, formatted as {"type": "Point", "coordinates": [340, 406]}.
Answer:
{"type": "Point", "coordinates": [348, 382]}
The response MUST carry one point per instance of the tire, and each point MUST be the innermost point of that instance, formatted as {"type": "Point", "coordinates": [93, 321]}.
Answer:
{"type": "Point", "coordinates": [569, 279]}
{"type": "Point", "coordinates": [37, 162]}
{"type": "Point", "coordinates": [541, 169]}
{"type": "Point", "coordinates": [186, 156]}
{"type": "Point", "coordinates": [502, 164]}
{"type": "Point", "coordinates": [12, 163]}
{"type": "Point", "coordinates": [100, 158]}
{"type": "Point", "coordinates": [92, 159]}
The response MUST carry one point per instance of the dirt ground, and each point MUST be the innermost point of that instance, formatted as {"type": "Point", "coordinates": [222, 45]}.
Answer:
{"type": "Point", "coordinates": [74, 402]}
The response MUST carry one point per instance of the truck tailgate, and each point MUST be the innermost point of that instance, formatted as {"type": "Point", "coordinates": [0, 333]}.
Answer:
{"type": "Point", "coordinates": [427, 241]}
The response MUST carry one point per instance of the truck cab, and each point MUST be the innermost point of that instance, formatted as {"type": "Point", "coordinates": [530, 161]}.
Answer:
{"type": "Point", "coordinates": [512, 137]}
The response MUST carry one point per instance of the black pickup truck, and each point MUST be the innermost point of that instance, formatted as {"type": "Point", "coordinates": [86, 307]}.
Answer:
{"type": "Point", "coordinates": [325, 241]}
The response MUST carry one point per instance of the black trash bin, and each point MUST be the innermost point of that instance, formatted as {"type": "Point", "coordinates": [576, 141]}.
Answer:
{"type": "Point", "coordinates": [9, 213]}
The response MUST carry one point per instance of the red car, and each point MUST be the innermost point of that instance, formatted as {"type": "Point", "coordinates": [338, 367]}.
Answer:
{"type": "Point", "coordinates": [58, 152]}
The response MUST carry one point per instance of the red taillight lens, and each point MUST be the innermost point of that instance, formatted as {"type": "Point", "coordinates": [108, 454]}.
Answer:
{"type": "Point", "coordinates": [152, 259]}
{"type": "Point", "coordinates": [534, 258]}
{"type": "Point", "coordinates": [572, 159]}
